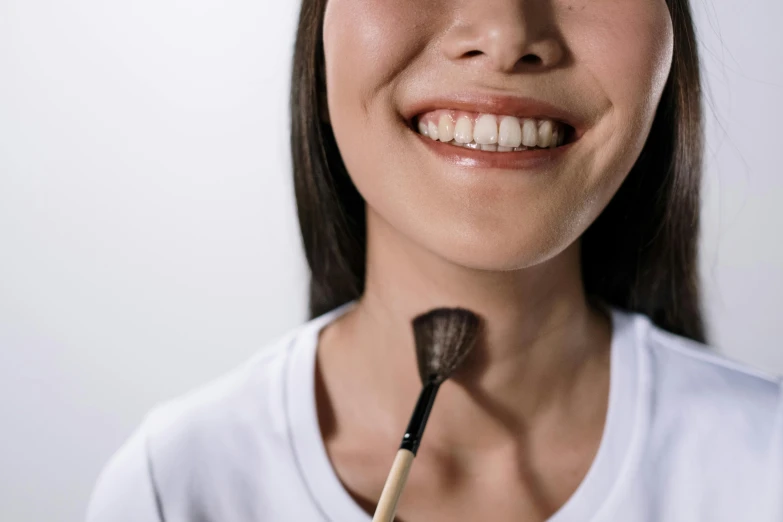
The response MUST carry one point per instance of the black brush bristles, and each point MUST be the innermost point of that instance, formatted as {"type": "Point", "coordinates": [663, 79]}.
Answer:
{"type": "Point", "coordinates": [444, 337]}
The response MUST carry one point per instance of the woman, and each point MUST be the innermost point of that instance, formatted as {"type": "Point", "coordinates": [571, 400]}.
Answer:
{"type": "Point", "coordinates": [537, 163]}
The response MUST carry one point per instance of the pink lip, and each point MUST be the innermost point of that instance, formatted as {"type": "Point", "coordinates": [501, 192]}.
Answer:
{"type": "Point", "coordinates": [518, 160]}
{"type": "Point", "coordinates": [520, 107]}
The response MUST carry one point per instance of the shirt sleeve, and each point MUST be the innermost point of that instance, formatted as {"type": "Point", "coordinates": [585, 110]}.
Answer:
{"type": "Point", "coordinates": [125, 491]}
{"type": "Point", "coordinates": [776, 482]}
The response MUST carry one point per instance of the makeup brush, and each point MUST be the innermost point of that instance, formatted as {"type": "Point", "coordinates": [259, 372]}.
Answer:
{"type": "Point", "coordinates": [444, 337]}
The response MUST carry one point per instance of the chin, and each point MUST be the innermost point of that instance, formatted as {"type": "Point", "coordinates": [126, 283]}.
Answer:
{"type": "Point", "coordinates": [495, 251]}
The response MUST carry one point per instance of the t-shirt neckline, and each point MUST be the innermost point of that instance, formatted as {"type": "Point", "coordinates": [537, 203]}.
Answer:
{"type": "Point", "coordinates": [617, 452]}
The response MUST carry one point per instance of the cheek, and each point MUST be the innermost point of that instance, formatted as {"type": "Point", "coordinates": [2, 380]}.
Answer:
{"type": "Point", "coordinates": [624, 52]}
{"type": "Point", "coordinates": [626, 46]}
{"type": "Point", "coordinates": [366, 44]}
{"type": "Point", "coordinates": [364, 66]}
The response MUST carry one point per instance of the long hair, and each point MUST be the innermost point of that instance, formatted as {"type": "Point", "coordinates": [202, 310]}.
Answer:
{"type": "Point", "coordinates": [640, 254]}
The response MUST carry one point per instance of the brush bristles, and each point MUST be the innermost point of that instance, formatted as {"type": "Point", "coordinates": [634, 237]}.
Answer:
{"type": "Point", "coordinates": [444, 337]}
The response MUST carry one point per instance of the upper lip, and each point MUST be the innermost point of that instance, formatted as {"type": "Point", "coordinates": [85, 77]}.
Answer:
{"type": "Point", "coordinates": [499, 104]}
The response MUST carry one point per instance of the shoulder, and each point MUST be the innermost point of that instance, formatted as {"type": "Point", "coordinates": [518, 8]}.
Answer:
{"type": "Point", "coordinates": [709, 413]}
{"type": "Point", "coordinates": [713, 430]}
{"type": "Point", "coordinates": [206, 437]}
{"type": "Point", "coordinates": [248, 394]}
{"type": "Point", "coordinates": [196, 443]}
{"type": "Point", "coordinates": [697, 377]}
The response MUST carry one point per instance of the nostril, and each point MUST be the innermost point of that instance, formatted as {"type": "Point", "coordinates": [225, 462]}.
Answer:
{"type": "Point", "coordinates": [531, 59]}
{"type": "Point", "coordinates": [473, 53]}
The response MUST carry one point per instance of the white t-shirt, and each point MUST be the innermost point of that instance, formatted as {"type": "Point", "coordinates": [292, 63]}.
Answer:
{"type": "Point", "coordinates": [689, 437]}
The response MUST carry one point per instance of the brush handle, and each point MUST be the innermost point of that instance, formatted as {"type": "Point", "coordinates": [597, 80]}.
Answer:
{"type": "Point", "coordinates": [395, 483]}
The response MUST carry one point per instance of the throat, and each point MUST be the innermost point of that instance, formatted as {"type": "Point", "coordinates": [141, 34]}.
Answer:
{"type": "Point", "coordinates": [537, 430]}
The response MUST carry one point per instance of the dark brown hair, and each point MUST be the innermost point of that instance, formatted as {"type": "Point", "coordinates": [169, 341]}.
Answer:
{"type": "Point", "coordinates": [639, 255]}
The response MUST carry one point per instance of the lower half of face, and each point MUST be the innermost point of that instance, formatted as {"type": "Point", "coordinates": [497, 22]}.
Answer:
{"type": "Point", "coordinates": [485, 189]}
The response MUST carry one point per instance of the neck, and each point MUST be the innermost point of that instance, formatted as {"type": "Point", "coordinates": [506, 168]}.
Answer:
{"type": "Point", "coordinates": [541, 342]}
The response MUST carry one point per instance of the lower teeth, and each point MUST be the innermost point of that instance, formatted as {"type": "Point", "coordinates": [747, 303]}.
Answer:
{"type": "Point", "coordinates": [498, 148]}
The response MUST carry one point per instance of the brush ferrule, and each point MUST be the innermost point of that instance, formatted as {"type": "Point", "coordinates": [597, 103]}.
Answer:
{"type": "Point", "coordinates": [413, 434]}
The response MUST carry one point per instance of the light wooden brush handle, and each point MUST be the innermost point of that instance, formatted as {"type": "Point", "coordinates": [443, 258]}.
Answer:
{"type": "Point", "coordinates": [395, 483]}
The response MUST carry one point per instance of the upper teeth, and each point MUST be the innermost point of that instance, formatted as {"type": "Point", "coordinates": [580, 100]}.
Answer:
{"type": "Point", "coordinates": [490, 132]}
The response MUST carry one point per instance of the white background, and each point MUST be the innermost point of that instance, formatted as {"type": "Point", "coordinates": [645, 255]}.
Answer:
{"type": "Point", "coordinates": [147, 214]}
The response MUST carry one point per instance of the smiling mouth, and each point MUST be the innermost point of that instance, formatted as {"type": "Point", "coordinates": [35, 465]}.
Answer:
{"type": "Point", "coordinates": [491, 132]}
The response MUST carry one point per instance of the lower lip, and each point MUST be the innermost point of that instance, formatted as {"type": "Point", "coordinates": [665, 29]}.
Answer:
{"type": "Point", "coordinates": [512, 160]}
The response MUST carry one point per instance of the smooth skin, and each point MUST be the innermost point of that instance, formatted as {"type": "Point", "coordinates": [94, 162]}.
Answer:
{"type": "Point", "coordinates": [514, 433]}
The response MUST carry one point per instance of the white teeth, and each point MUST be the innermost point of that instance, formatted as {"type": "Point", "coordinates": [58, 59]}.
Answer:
{"type": "Point", "coordinates": [529, 133]}
{"type": "Point", "coordinates": [463, 131]}
{"type": "Point", "coordinates": [492, 133]}
{"type": "Point", "coordinates": [445, 128]}
{"type": "Point", "coordinates": [433, 130]}
{"type": "Point", "coordinates": [486, 130]}
{"type": "Point", "coordinates": [545, 134]}
{"type": "Point", "coordinates": [510, 134]}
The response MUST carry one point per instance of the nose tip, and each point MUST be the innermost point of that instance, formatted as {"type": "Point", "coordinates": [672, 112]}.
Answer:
{"type": "Point", "coordinates": [506, 49]}
{"type": "Point", "coordinates": [505, 37]}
